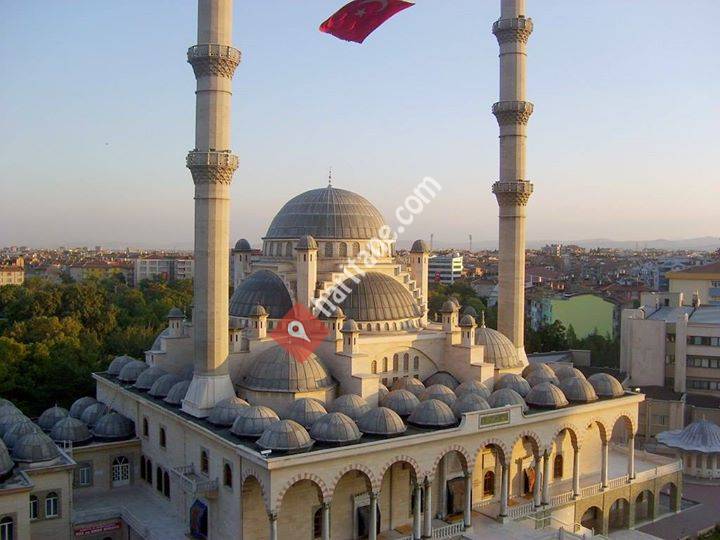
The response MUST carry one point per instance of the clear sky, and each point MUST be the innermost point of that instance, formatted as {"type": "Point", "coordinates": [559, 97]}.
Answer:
{"type": "Point", "coordinates": [97, 115]}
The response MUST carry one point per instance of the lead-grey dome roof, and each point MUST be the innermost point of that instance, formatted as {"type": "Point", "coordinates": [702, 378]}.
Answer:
{"type": "Point", "coordinates": [34, 448]}
{"type": "Point", "coordinates": [113, 426]}
{"type": "Point", "coordinates": [381, 421]}
{"type": "Point", "coordinates": [253, 421]}
{"type": "Point", "coordinates": [335, 428]}
{"type": "Point", "coordinates": [9, 418]}
{"type": "Point", "coordinates": [79, 406]}
{"type": "Point", "coordinates": [376, 297]}
{"type": "Point", "coordinates": [411, 384]}
{"type": "Point", "coordinates": [327, 212]}
{"type": "Point", "coordinates": [538, 376]}
{"type": "Point", "coordinates": [94, 412]}
{"type": "Point", "coordinates": [6, 462]}
{"type": "Point", "coordinates": [468, 403]}
{"type": "Point", "coordinates": [513, 381]}
{"type": "Point", "coordinates": [467, 321]}
{"type": "Point", "coordinates": [306, 411]}
{"type": "Point", "coordinates": [440, 392]}
{"type": "Point", "coordinates": [402, 401]}
{"type": "Point", "coordinates": [566, 372]}
{"type": "Point", "coordinates": [505, 397]}
{"type": "Point", "coordinates": [72, 430]}
{"type": "Point", "coordinates": [131, 371]}
{"type": "Point", "coordinates": [473, 386]}
{"type": "Point", "coordinates": [148, 377]}
{"type": "Point", "coordinates": [264, 288]}
{"type": "Point", "coordinates": [432, 413]}
{"type": "Point", "coordinates": [606, 385]}
{"type": "Point", "coordinates": [177, 393]}
{"type": "Point", "coordinates": [351, 405]}
{"type": "Point", "coordinates": [51, 416]}
{"type": "Point", "coordinates": [242, 245]}
{"type": "Point", "coordinates": [444, 378]}
{"type": "Point", "coordinates": [118, 363]}
{"type": "Point", "coordinates": [533, 366]}
{"type": "Point", "coordinates": [499, 350]}
{"type": "Point", "coordinates": [578, 390]}
{"type": "Point", "coordinates": [546, 395]}
{"type": "Point", "coordinates": [285, 436]}
{"type": "Point", "coordinates": [419, 246]}
{"type": "Point", "coordinates": [700, 436]}
{"type": "Point", "coordinates": [225, 412]}
{"type": "Point", "coordinates": [5, 403]}
{"type": "Point", "coordinates": [19, 430]}
{"type": "Point", "coordinates": [162, 386]}
{"type": "Point", "coordinates": [276, 370]}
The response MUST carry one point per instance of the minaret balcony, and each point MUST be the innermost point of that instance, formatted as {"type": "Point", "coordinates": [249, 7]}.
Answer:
{"type": "Point", "coordinates": [212, 59]}
{"type": "Point", "coordinates": [212, 167]}
{"type": "Point", "coordinates": [513, 30]}
{"type": "Point", "coordinates": [515, 193]}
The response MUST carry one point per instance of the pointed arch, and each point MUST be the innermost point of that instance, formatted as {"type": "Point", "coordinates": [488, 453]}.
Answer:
{"type": "Point", "coordinates": [264, 491]}
{"type": "Point", "coordinates": [400, 459]}
{"type": "Point", "coordinates": [500, 445]}
{"type": "Point", "coordinates": [310, 477]}
{"type": "Point", "coordinates": [573, 431]}
{"type": "Point", "coordinates": [373, 482]}
{"type": "Point", "coordinates": [469, 462]}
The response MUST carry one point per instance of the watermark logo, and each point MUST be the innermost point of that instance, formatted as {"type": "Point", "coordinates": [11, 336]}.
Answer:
{"type": "Point", "coordinates": [299, 333]}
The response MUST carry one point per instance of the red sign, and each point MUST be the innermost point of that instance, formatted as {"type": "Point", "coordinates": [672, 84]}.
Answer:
{"type": "Point", "coordinates": [97, 529]}
{"type": "Point", "coordinates": [299, 333]}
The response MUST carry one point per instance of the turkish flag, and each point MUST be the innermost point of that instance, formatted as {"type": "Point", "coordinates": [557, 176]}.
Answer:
{"type": "Point", "coordinates": [357, 20]}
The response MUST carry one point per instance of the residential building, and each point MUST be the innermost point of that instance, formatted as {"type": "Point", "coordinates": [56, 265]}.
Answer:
{"type": "Point", "coordinates": [445, 269]}
{"type": "Point", "coordinates": [13, 272]}
{"type": "Point", "coordinates": [703, 281]}
{"type": "Point", "coordinates": [169, 268]}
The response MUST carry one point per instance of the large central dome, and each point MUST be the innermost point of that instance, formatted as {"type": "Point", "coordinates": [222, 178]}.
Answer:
{"type": "Point", "coordinates": [327, 212]}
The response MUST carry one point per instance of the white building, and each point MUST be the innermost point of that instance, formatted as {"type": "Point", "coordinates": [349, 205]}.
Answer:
{"type": "Point", "coordinates": [445, 269]}
{"type": "Point", "coordinates": [174, 268]}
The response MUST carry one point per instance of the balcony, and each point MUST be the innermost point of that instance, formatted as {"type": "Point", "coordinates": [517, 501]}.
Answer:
{"type": "Point", "coordinates": [196, 484]}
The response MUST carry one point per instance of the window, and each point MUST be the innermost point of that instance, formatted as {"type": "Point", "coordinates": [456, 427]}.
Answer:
{"type": "Point", "coordinates": [120, 471]}
{"type": "Point", "coordinates": [416, 362]}
{"type": "Point", "coordinates": [166, 484]}
{"type": "Point", "coordinates": [384, 364]}
{"type": "Point", "coordinates": [159, 479]}
{"type": "Point", "coordinates": [317, 523]}
{"type": "Point", "coordinates": [659, 419]}
{"type": "Point", "coordinates": [163, 438]}
{"type": "Point", "coordinates": [343, 249]}
{"type": "Point", "coordinates": [406, 362]}
{"type": "Point", "coordinates": [85, 475]}
{"type": "Point", "coordinates": [489, 484]}
{"type": "Point", "coordinates": [373, 367]}
{"type": "Point", "coordinates": [227, 476]}
{"type": "Point", "coordinates": [328, 249]}
{"type": "Point", "coordinates": [51, 505]}
{"type": "Point", "coordinates": [142, 467]}
{"type": "Point", "coordinates": [7, 529]}
{"type": "Point", "coordinates": [558, 466]}
{"type": "Point", "coordinates": [146, 428]}
{"type": "Point", "coordinates": [204, 462]}
{"type": "Point", "coordinates": [148, 471]}
{"type": "Point", "coordinates": [395, 362]}
{"type": "Point", "coordinates": [34, 507]}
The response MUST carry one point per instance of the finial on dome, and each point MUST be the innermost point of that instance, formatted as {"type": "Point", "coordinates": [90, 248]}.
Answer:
{"type": "Point", "coordinates": [330, 177]}
{"type": "Point", "coordinates": [482, 319]}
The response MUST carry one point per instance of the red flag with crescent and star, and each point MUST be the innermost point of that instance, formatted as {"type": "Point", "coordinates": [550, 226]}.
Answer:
{"type": "Point", "coordinates": [358, 19]}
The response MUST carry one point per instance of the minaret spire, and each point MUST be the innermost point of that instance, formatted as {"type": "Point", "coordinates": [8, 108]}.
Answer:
{"type": "Point", "coordinates": [512, 189]}
{"type": "Point", "coordinates": [212, 166]}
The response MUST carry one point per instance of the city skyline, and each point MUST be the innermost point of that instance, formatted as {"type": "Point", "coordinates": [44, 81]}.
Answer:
{"type": "Point", "coordinates": [305, 102]}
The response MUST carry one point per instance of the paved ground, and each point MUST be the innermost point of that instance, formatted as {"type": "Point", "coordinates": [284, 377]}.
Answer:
{"type": "Point", "coordinates": [689, 521]}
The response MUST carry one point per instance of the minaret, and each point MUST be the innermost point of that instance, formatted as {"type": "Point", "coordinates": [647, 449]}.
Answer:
{"type": "Point", "coordinates": [212, 166]}
{"type": "Point", "coordinates": [512, 189]}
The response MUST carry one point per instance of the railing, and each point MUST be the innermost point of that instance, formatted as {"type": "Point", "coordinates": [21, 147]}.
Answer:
{"type": "Point", "coordinates": [618, 482]}
{"type": "Point", "coordinates": [135, 524]}
{"type": "Point", "coordinates": [448, 531]}
{"type": "Point", "coordinates": [484, 503]}
{"type": "Point", "coordinates": [645, 475]}
{"type": "Point", "coordinates": [522, 510]}
{"type": "Point", "coordinates": [593, 489]}
{"type": "Point", "coordinates": [669, 468]}
{"type": "Point", "coordinates": [193, 483]}
{"type": "Point", "coordinates": [563, 498]}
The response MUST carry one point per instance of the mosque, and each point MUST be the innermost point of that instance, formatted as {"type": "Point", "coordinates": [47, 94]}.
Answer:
{"type": "Point", "coordinates": [394, 427]}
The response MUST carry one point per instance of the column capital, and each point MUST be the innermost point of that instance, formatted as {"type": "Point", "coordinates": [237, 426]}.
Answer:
{"type": "Point", "coordinates": [272, 516]}
{"type": "Point", "coordinates": [513, 30]}
{"type": "Point", "coordinates": [515, 193]}
{"type": "Point", "coordinates": [510, 113]}
{"type": "Point", "coordinates": [212, 59]}
{"type": "Point", "coordinates": [212, 167]}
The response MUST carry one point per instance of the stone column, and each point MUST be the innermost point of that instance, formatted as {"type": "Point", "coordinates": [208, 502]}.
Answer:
{"type": "Point", "coordinates": [546, 479]}
{"type": "Point", "coordinates": [417, 513]}
{"type": "Point", "coordinates": [273, 526]}
{"type": "Point", "coordinates": [372, 533]}
{"type": "Point", "coordinates": [631, 457]}
{"type": "Point", "coordinates": [504, 489]}
{"type": "Point", "coordinates": [442, 484]}
{"type": "Point", "coordinates": [212, 165]}
{"type": "Point", "coordinates": [576, 473]}
{"type": "Point", "coordinates": [427, 511]}
{"type": "Point", "coordinates": [467, 515]}
{"type": "Point", "coordinates": [605, 465]}
{"type": "Point", "coordinates": [326, 521]}
{"type": "Point", "coordinates": [512, 189]}
{"type": "Point", "coordinates": [538, 482]}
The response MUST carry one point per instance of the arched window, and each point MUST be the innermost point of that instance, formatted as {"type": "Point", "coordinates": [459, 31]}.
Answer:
{"type": "Point", "coordinates": [387, 326]}
{"type": "Point", "coordinates": [377, 326]}
{"type": "Point", "coordinates": [227, 476]}
{"type": "Point", "coordinates": [142, 467]}
{"type": "Point", "coordinates": [146, 427]}
{"type": "Point", "coordinates": [159, 479]}
{"type": "Point", "coordinates": [373, 367]}
{"type": "Point", "coordinates": [288, 249]}
{"type": "Point", "coordinates": [7, 529]}
{"type": "Point", "coordinates": [395, 362]}
{"type": "Point", "coordinates": [355, 248]}
{"type": "Point", "coordinates": [204, 462]}
{"type": "Point", "coordinates": [489, 484]}
{"type": "Point", "coordinates": [343, 249]}
{"type": "Point", "coordinates": [406, 362]}
{"type": "Point", "coordinates": [416, 362]}
{"type": "Point", "coordinates": [328, 249]}
{"type": "Point", "coordinates": [120, 471]}
{"type": "Point", "coordinates": [148, 471]}
{"type": "Point", "coordinates": [166, 484]}
{"type": "Point", "coordinates": [369, 327]}
{"type": "Point", "coordinates": [317, 523]}
{"type": "Point", "coordinates": [558, 466]}
{"type": "Point", "coordinates": [384, 364]}
{"type": "Point", "coordinates": [51, 505]}
{"type": "Point", "coordinates": [34, 507]}
{"type": "Point", "coordinates": [163, 438]}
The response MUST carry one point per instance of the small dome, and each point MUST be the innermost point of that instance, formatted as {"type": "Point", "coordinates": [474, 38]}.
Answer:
{"type": "Point", "coordinates": [578, 390]}
{"type": "Point", "coordinates": [113, 426]}
{"type": "Point", "coordinates": [381, 421]}
{"type": "Point", "coordinates": [276, 370]}
{"type": "Point", "coordinates": [242, 245]}
{"type": "Point", "coordinates": [547, 396]}
{"type": "Point", "coordinates": [34, 448]}
{"type": "Point", "coordinates": [449, 307]}
{"type": "Point", "coordinates": [473, 386]}
{"type": "Point", "coordinates": [306, 242]}
{"type": "Point", "coordinates": [70, 429]}
{"type": "Point", "coordinates": [499, 350]}
{"type": "Point", "coordinates": [51, 417]}
{"type": "Point", "coordinates": [440, 392]}
{"type": "Point", "coordinates": [382, 392]}
{"type": "Point", "coordinates": [411, 384]}
{"type": "Point", "coordinates": [350, 326]}
{"type": "Point", "coordinates": [376, 297]}
{"type": "Point", "coordinates": [505, 397]}
{"type": "Point", "coordinates": [467, 321]}
{"type": "Point", "coordinates": [606, 385]}
{"type": "Point", "coordinates": [535, 366]}
{"type": "Point", "coordinates": [257, 311]}
{"type": "Point", "coordinates": [442, 377]}
{"type": "Point", "coordinates": [433, 413]}
{"type": "Point", "coordinates": [265, 288]}
{"type": "Point", "coordinates": [253, 421]}
{"type": "Point", "coordinates": [454, 300]}
{"type": "Point", "coordinates": [351, 405]}
{"type": "Point", "coordinates": [306, 411]}
{"type": "Point", "coordinates": [469, 403]}
{"type": "Point", "coordinates": [177, 393]}
{"type": "Point", "coordinates": [163, 385]}
{"type": "Point", "coordinates": [131, 371]}
{"type": "Point", "coordinates": [514, 382]}
{"type": "Point", "coordinates": [118, 363]}
{"type": "Point", "coordinates": [19, 430]}
{"type": "Point", "coordinates": [10, 418]}
{"type": "Point", "coordinates": [403, 402]}
{"type": "Point", "coordinates": [79, 406]}
{"type": "Point", "coordinates": [6, 403]}
{"type": "Point", "coordinates": [700, 436]}
{"type": "Point", "coordinates": [175, 313]}
{"type": "Point", "coordinates": [539, 376]}
{"type": "Point", "coordinates": [225, 412]}
{"type": "Point", "coordinates": [285, 436]}
{"type": "Point", "coordinates": [335, 428]}
{"type": "Point", "coordinates": [148, 377]}
{"type": "Point", "coordinates": [419, 246]}
{"type": "Point", "coordinates": [93, 413]}
{"type": "Point", "coordinates": [6, 462]}
{"type": "Point", "coordinates": [469, 310]}
{"type": "Point", "coordinates": [567, 372]}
